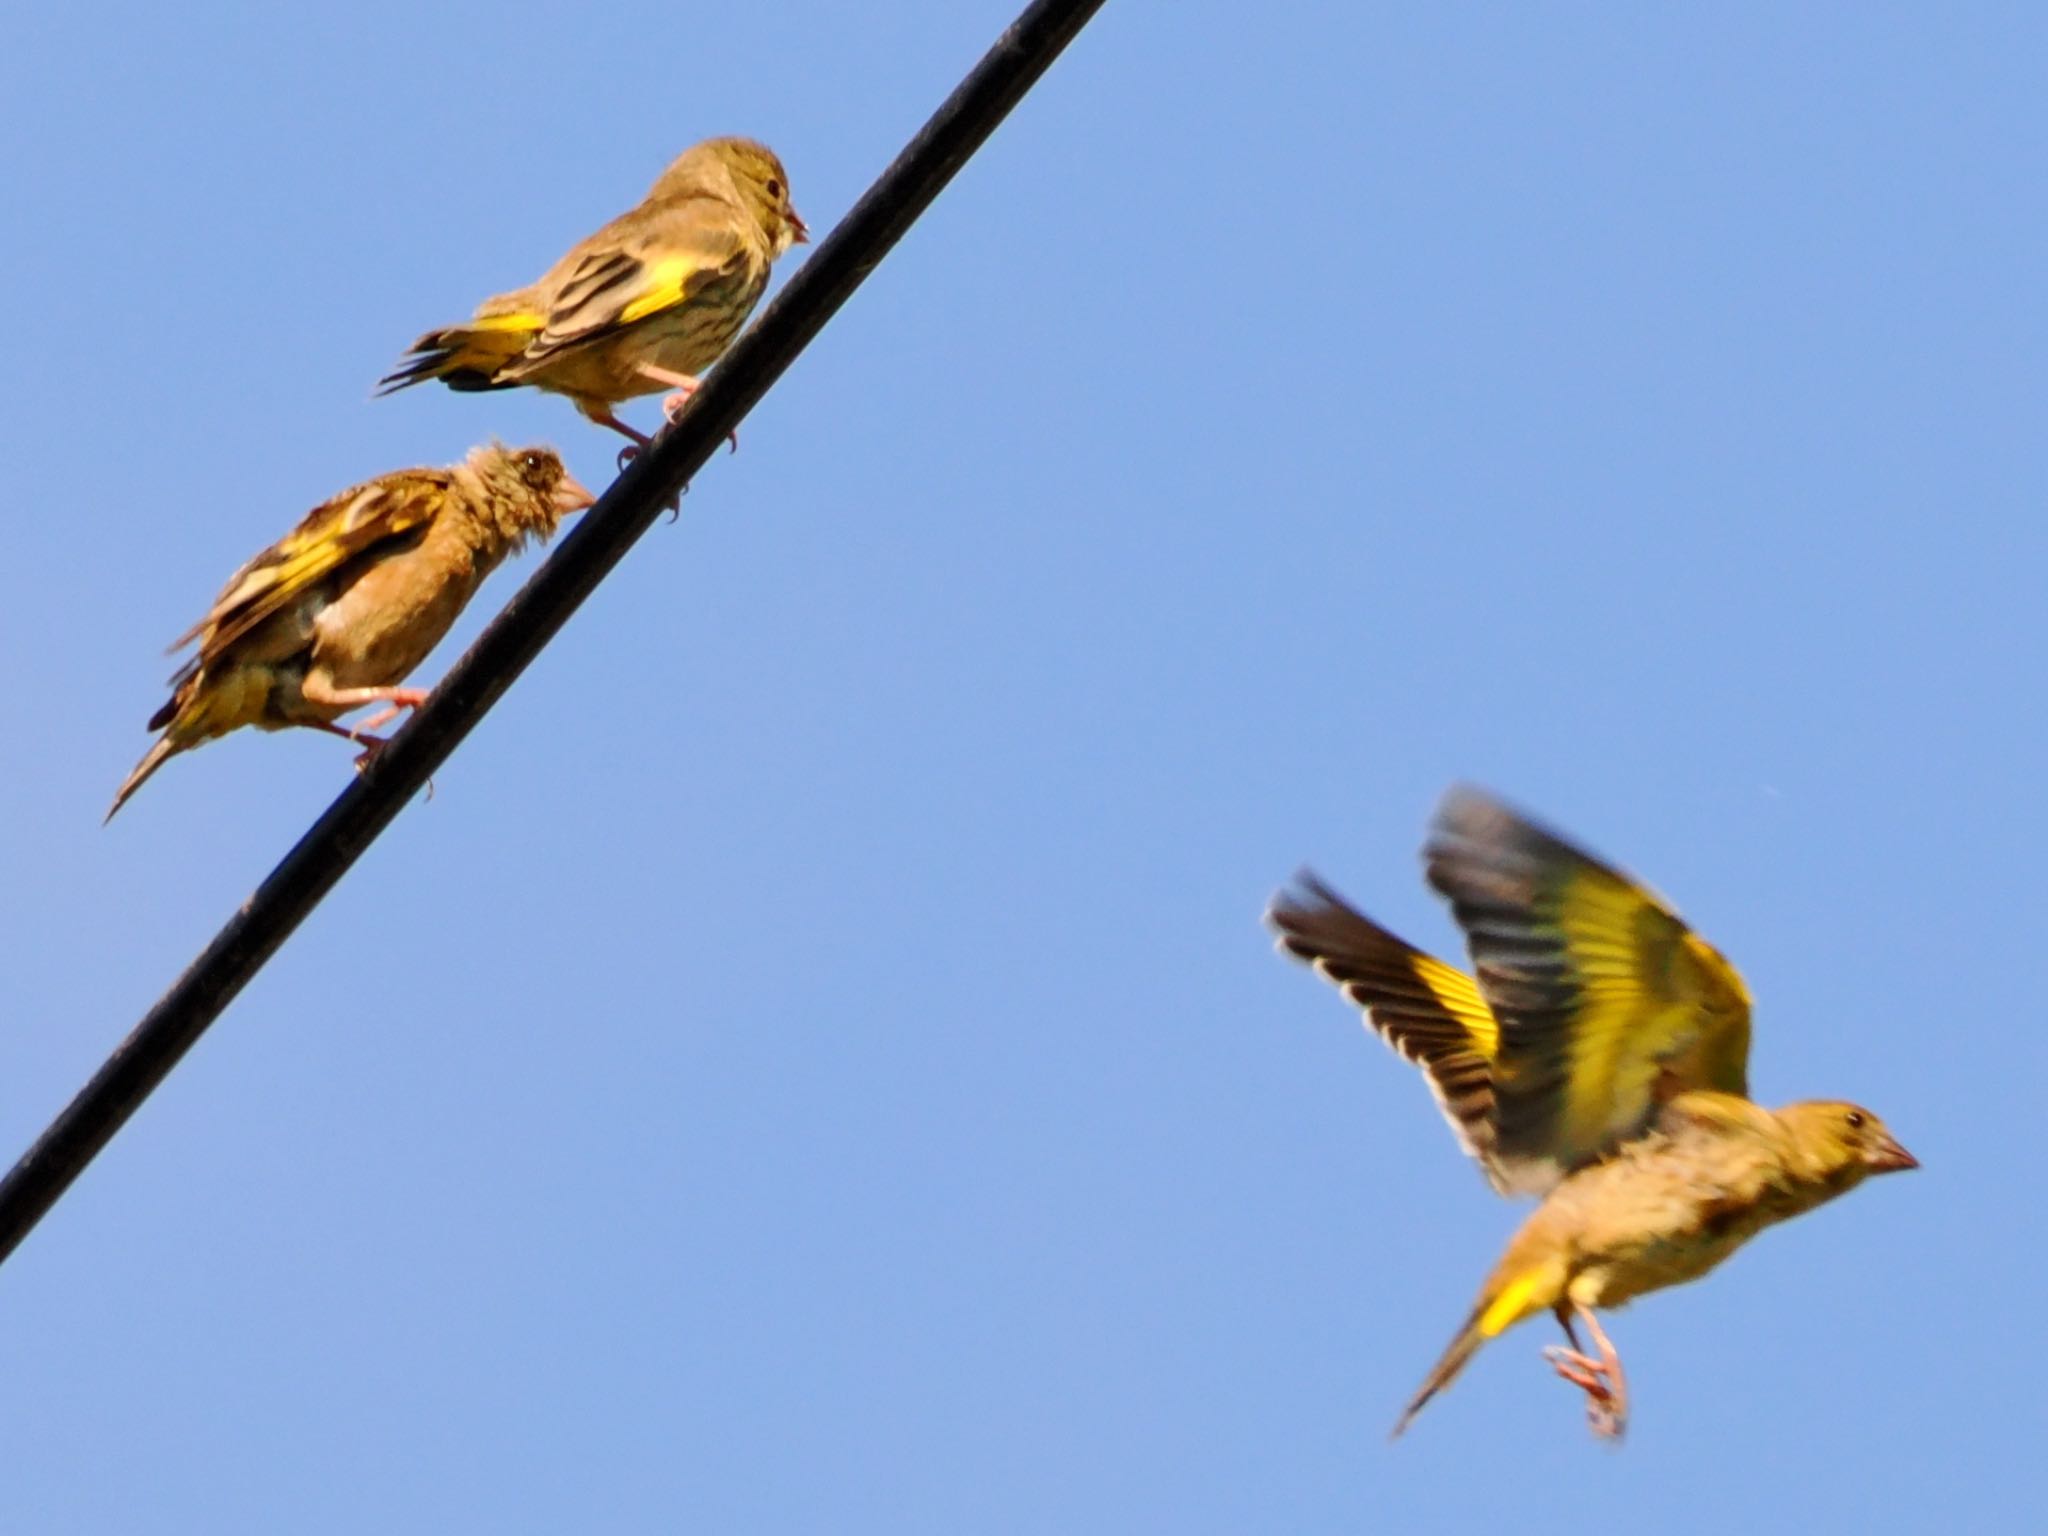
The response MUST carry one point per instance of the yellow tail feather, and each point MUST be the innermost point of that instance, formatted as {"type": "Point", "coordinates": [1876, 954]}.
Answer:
{"type": "Point", "coordinates": [465, 357]}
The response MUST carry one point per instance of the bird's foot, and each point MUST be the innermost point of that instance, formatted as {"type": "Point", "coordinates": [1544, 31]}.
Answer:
{"type": "Point", "coordinates": [686, 386]}
{"type": "Point", "coordinates": [631, 452]}
{"type": "Point", "coordinates": [1601, 1381]}
{"type": "Point", "coordinates": [674, 405]}
{"type": "Point", "coordinates": [401, 700]}
{"type": "Point", "coordinates": [373, 748]}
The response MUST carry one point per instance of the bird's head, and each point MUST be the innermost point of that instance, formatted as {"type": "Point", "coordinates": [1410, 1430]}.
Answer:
{"type": "Point", "coordinates": [1839, 1145]}
{"type": "Point", "coordinates": [529, 490]}
{"type": "Point", "coordinates": [756, 175]}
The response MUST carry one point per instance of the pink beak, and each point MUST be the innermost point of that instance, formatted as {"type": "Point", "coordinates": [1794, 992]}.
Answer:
{"type": "Point", "coordinates": [570, 496]}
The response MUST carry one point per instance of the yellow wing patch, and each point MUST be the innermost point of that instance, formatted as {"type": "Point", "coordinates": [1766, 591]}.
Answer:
{"type": "Point", "coordinates": [1651, 994]}
{"type": "Point", "coordinates": [1430, 1013]}
{"type": "Point", "coordinates": [520, 320]}
{"type": "Point", "coordinates": [665, 284]}
{"type": "Point", "coordinates": [1458, 995]}
{"type": "Point", "coordinates": [1607, 1003]}
{"type": "Point", "coordinates": [327, 538]}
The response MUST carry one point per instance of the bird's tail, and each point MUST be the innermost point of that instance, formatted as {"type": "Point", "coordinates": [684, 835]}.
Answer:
{"type": "Point", "coordinates": [152, 760]}
{"type": "Point", "coordinates": [1505, 1302]}
{"type": "Point", "coordinates": [1462, 1349]}
{"type": "Point", "coordinates": [465, 357]}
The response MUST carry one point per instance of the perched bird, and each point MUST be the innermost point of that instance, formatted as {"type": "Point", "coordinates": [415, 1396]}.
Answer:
{"type": "Point", "coordinates": [647, 303]}
{"type": "Point", "coordinates": [334, 615]}
{"type": "Point", "coordinates": [1598, 1058]}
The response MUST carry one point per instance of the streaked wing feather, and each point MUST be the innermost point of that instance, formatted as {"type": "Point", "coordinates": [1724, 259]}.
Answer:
{"type": "Point", "coordinates": [1608, 1003]}
{"type": "Point", "coordinates": [1430, 1013]}
{"type": "Point", "coordinates": [646, 262]}
{"type": "Point", "coordinates": [339, 530]}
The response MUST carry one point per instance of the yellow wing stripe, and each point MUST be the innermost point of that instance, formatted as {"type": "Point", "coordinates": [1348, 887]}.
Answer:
{"type": "Point", "coordinates": [1610, 932]}
{"type": "Point", "coordinates": [1605, 1002]}
{"type": "Point", "coordinates": [667, 284]}
{"type": "Point", "coordinates": [519, 320]}
{"type": "Point", "coordinates": [310, 551]}
{"type": "Point", "coordinates": [1432, 1014]}
{"type": "Point", "coordinates": [1459, 996]}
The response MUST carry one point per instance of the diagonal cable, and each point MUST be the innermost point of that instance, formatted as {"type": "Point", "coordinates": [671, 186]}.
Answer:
{"type": "Point", "coordinates": [580, 561]}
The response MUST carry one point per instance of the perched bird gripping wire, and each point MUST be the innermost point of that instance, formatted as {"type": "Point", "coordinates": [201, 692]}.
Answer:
{"type": "Point", "coordinates": [645, 304]}
{"type": "Point", "coordinates": [333, 616]}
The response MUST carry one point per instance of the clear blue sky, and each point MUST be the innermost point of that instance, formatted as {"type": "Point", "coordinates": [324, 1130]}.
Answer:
{"type": "Point", "coordinates": [815, 1064]}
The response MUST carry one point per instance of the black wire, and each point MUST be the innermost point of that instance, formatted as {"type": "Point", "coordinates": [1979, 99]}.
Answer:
{"type": "Point", "coordinates": [583, 558]}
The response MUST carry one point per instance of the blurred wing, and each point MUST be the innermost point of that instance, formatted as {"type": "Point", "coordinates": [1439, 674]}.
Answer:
{"type": "Point", "coordinates": [641, 264]}
{"type": "Point", "coordinates": [1429, 1012]}
{"type": "Point", "coordinates": [1608, 1003]}
{"type": "Point", "coordinates": [347, 528]}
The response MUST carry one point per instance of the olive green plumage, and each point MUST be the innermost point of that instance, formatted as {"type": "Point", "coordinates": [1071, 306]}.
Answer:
{"type": "Point", "coordinates": [335, 615]}
{"type": "Point", "coordinates": [1598, 1058]}
{"type": "Point", "coordinates": [1664, 1208]}
{"type": "Point", "coordinates": [645, 304]}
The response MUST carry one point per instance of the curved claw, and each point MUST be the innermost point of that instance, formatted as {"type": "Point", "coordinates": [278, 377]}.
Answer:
{"type": "Point", "coordinates": [371, 745]}
{"type": "Point", "coordinates": [371, 748]}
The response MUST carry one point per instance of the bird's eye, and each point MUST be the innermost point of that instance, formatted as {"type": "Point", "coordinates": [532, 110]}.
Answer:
{"type": "Point", "coordinates": [774, 187]}
{"type": "Point", "coordinates": [1855, 1119]}
{"type": "Point", "coordinates": [532, 461]}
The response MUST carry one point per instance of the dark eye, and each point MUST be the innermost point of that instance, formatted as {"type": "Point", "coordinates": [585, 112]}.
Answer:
{"type": "Point", "coordinates": [533, 461]}
{"type": "Point", "coordinates": [774, 187]}
{"type": "Point", "coordinates": [1855, 1119]}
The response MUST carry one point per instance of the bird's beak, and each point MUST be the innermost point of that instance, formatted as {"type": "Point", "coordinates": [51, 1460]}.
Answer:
{"type": "Point", "coordinates": [570, 496]}
{"type": "Point", "coordinates": [1889, 1157]}
{"type": "Point", "coordinates": [801, 232]}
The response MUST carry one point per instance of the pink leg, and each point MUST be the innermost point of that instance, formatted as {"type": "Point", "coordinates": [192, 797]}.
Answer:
{"type": "Point", "coordinates": [1610, 1361]}
{"type": "Point", "coordinates": [383, 717]}
{"type": "Point", "coordinates": [684, 385]}
{"type": "Point", "coordinates": [1601, 1379]}
{"type": "Point", "coordinates": [396, 699]}
{"type": "Point", "coordinates": [318, 692]}
{"type": "Point", "coordinates": [345, 733]}
{"type": "Point", "coordinates": [605, 417]}
{"type": "Point", "coordinates": [671, 408]}
{"type": "Point", "coordinates": [371, 745]}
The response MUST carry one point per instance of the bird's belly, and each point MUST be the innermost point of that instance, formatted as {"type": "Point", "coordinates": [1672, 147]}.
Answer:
{"type": "Point", "coordinates": [688, 339]}
{"type": "Point", "coordinates": [374, 639]}
{"type": "Point", "coordinates": [1613, 1278]}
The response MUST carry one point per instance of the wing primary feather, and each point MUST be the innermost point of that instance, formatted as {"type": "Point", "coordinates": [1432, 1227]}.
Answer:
{"type": "Point", "coordinates": [1607, 1003]}
{"type": "Point", "coordinates": [1428, 1012]}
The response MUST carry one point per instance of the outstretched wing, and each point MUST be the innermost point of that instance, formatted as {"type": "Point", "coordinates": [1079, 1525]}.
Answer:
{"type": "Point", "coordinates": [1429, 1012]}
{"type": "Point", "coordinates": [360, 521]}
{"type": "Point", "coordinates": [1608, 1004]}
